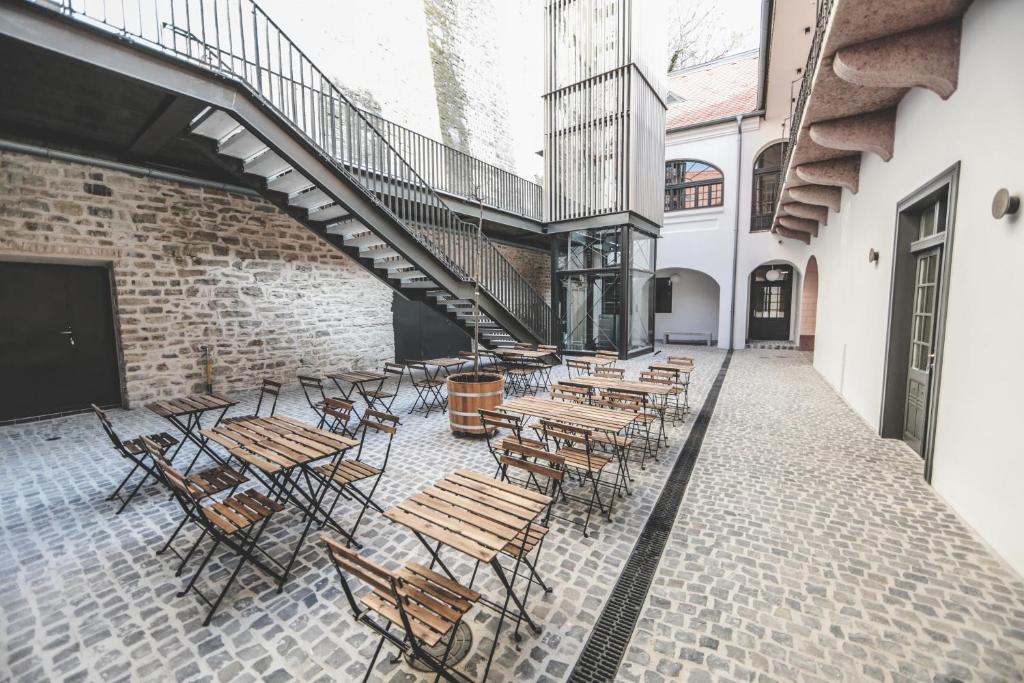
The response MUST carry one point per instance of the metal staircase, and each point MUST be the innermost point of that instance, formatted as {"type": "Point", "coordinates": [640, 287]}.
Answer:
{"type": "Point", "coordinates": [236, 40]}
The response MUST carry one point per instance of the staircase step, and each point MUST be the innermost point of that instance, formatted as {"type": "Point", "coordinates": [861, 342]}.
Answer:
{"type": "Point", "coordinates": [364, 239]}
{"type": "Point", "coordinates": [241, 144]}
{"type": "Point", "coordinates": [216, 125]}
{"type": "Point", "coordinates": [419, 283]}
{"type": "Point", "coordinates": [266, 165]}
{"type": "Point", "coordinates": [310, 199]}
{"type": "Point", "coordinates": [377, 251]}
{"type": "Point", "coordinates": [345, 227]}
{"type": "Point", "coordinates": [327, 213]}
{"type": "Point", "coordinates": [392, 263]}
{"type": "Point", "coordinates": [289, 182]}
{"type": "Point", "coordinates": [407, 274]}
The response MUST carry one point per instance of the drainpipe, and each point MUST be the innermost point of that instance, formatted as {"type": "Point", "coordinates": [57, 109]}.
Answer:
{"type": "Point", "coordinates": [736, 227]}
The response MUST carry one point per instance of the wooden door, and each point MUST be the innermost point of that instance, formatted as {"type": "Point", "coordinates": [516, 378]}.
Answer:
{"type": "Point", "coordinates": [58, 351]}
{"type": "Point", "coordinates": [922, 343]}
{"type": "Point", "coordinates": [771, 292]}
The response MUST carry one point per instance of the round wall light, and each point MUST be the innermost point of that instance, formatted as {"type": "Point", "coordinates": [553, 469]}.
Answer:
{"type": "Point", "coordinates": [1004, 203]}
{"type": "Point", "coordinates": [773, 275]}
{"type": "Point", "coordinates": [674, 278]}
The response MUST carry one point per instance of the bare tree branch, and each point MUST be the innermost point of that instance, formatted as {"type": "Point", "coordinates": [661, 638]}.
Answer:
{"type": "Point", "coordinates": [694, 36]}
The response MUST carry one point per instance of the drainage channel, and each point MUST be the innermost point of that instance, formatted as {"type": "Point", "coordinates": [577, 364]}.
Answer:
{"type": "Point", "coordinates": [604, 650]}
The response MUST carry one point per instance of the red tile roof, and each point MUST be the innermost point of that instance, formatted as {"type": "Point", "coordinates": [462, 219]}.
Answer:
{"type": "Point", "coordinates": [724, 87]}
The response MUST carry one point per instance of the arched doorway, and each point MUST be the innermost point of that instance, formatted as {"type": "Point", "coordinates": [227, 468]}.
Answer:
{"type": "Point", "coordinates": [809, 305]}
{"type": "Point", "coordinates": [686, 306]}
{"type": "Point", "coordinates": [770, 317]}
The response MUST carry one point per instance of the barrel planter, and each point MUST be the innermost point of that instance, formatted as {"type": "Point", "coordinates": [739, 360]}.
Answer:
{"type": "Point", "coordinates": [469, 392]}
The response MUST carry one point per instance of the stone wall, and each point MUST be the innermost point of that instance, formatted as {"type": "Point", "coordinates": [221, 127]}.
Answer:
{"type": "Point", "coordinates": [534, 264]}
{"type": "Point", "coordinates": [196, 266]}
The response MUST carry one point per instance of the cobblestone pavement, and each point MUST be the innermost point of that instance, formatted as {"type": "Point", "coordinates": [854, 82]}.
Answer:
{"type": "Point", "coordinates": [809, 549]}
{"type": "Point", "coordinates": [84, 596]}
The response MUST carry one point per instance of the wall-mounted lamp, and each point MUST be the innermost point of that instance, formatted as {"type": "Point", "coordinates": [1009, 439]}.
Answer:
{"type": "Point", "coordinates": [674, 278]}
{"type": "Point", "coordinates": [1004, 204]}
{"type": "Point", "coordinates": [873, 256]}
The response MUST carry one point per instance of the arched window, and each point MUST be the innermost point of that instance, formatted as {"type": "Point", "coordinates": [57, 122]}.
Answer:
{"type": "Point", "coordinates": [692, 184]}
{"type": "Point", "coordinates": [767, 181]}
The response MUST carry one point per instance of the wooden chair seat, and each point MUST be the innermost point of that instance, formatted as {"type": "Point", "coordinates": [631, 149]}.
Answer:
{"type": "Point", "coordinates": [163, 440]}
{"type": "Point", "coordinates": [534, 535]}
{"type": "Point", "coordinates": [215, 480]}
{"type": "Point", "coordinates": [380, 394]}
{"type": "Point", "coordinates": [348, 471]}
{"type": "Point", "coordinates": [241, 511]}
{"type": "Point", "coordinates": [578, 459]}
{"type": "Point", "coordinates": [525, 441]}
{"type": "Point", "coordinates": [427, 382]}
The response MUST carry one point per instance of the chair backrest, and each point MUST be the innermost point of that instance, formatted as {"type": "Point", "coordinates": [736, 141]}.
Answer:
{"type": "Point", "coordinates": [653, 377]}
{"type": "Point", "coordinates": [493, 419]}
{"type": "Point", "coordinates": [614, 373]}
{"type": "Point", "coordinates": [184, 491]}
{"type": "Point", "coordinates": [571, 393]}
{"type": "Point", "coordinates": [379, 579]}
{"type": "Point", "coordinates": [339, 409]}
{"type": "Point", "coordinates": [607, 354]}
{"type": "Point", "coordinates": [394, 369]}
{"type": "Point", "coordinates": [109, 429]}
{"type": "Point", "coordinates": [379, 422]}
{"type": "Point", "coordinates": [563, 434]}
{"type": "Point", "coordinates": [313, 389]}
{"type": "Point", "coordinates": [524, 457]}
{"type": "Point", "coordinates": [268, 388]}
{"type": "Point", "coordinates": [619, 399]}
{"type": "Point", "coordinates": [580, 365]}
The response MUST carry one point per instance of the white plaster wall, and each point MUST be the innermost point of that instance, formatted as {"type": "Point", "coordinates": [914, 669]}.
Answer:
{"type": "Point", "coordinates": [979, 453]}
{"type": "Point", "coordinates": [695, 304]}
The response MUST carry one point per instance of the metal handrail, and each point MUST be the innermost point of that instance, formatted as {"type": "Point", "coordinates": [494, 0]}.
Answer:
{"type": "Point", "coordinates": [796, 117]}
{"type": "Point", "coordinates": [236, 39]}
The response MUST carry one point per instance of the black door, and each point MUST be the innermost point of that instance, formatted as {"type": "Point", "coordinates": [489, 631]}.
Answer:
{"type": "Point", "coordinates": [57, 346]}
{"type": "Point", "coordinates": [771, 290]}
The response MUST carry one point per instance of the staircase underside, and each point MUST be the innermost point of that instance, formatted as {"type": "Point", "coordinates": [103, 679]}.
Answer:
{"type": "Point", "coordinates": [193, 120]}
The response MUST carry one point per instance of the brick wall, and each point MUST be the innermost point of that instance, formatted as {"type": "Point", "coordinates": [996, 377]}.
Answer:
{"type": "Point", "coordinates": [534, 264]}
{"type": "Point", "coordinates": [195, 266]}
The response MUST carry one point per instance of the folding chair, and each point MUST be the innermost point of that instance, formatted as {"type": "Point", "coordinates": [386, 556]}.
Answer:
{"type": "Point", "coordinates": [581, 367]}
{"type": "Point", "coordinates": [383, 397]}
{"type": "Point", "coordinates": [337, 413]}
{"type": "Point", "coordinates": [681, 378]}
{"type": "Point", "coordinates": [270, 389]}
{"type": "Point", "coordinates": [428, 389]}
{"type": "Point", "coordinates": [313, 388]}
{"type": "Point", "coordinates": [668, 379]}
{"type": "Point", "coordinates": [576, 447]}
{"type": "Point", "coordinates": [518, 375]}
{"type": "Point", "coordinates": [493, 421]}
{"type": "Point", "coordinates": [636, 403]}
{"type": "Point", "coordinates": [343, 475]}
{"type": "Point", "coordinates": [611, 373]}
{"type": "Point", "coordinates": [236, 522]}
{"type": "Point", "coordinates": [425, 606]}
{"type": "Point", "coordinates": [614, 355]}
{"type": "Point", "coordinates": [133, 451]}
{"type": "Point", "coordinates": [535, 462]}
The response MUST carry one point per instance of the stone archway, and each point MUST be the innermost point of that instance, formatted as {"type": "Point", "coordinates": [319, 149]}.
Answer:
{"type": "Point", "coordinates": [693, 314]}
{"type": "Point", "coordinates": [809, 305]}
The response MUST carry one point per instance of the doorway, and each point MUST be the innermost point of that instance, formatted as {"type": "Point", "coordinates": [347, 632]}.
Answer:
{"type": "Point", "coordinates": [58, 351]}
{"type": "Point", "coordinates": [918, 295]}
{"type": "Point", "coordinates": [771, 293]}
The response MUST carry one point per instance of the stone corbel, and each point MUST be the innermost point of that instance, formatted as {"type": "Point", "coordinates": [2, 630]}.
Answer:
{"type": "Point", "coordinates": [800, 224]}
{"type": "Point", "coordinates": [819, 195]}
{"type": "Point", "coordinates": [810, 211]}
{"type": "Point", "coordinates": [793, 234]}
{"type": "Point", "coordinates": [870, 132]}
{"type": "Point", "coordinates": [926, 57]}
{"type": "Point", "coordinates": [843, 172]}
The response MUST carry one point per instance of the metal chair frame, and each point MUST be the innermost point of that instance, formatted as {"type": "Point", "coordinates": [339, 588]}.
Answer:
{"type": "Point", "coordinates": [134, 451]}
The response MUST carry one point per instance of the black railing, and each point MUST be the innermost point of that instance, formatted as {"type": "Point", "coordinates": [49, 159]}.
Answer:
{"type": "Point", "coordinates": [796, 116]}
{"type": "Point", "coordinates": [236, 39]}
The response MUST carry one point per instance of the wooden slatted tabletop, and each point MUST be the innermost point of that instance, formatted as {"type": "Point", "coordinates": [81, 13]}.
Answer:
{"type": "Point", "coordinates": [357, 376]}
{"type": "Point", "coordinates": [188, 405]}
{"type": "Point", "coordinates": [685, 369]}
{"type": "Point", "coordinates": [525, 353]}
{"type": "Point", "coordinates": [622, 384]}
{"type": "Point", "coordinates": [594, 360]}
{"type": "Point", "coordinates": [272, 444]}
{"type": "Point", "coordinates": [471, 513]}
{"type": "Point", "coordinates": [446, 362]}
{"type": "Point", "coordinates": [591, 417]}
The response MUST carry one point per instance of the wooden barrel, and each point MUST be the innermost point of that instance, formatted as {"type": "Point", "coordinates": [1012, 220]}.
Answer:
{"type": "Point", "coordinates": [468, 393]}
